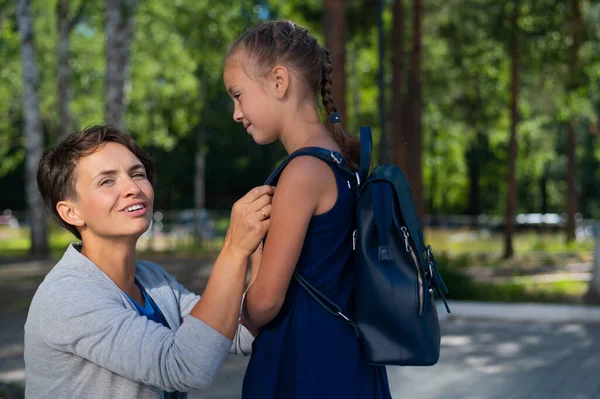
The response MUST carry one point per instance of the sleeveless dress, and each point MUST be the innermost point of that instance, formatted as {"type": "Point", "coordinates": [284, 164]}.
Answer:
{"type": "Point", "coordinates": [305, 352]}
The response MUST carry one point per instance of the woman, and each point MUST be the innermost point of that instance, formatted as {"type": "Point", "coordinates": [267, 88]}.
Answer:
{"type": "Point", "coordinates": [102, 325]}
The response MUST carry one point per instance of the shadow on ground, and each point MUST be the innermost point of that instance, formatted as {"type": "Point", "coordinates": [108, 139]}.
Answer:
{"type": "Point", "coordinates": [480, 358]}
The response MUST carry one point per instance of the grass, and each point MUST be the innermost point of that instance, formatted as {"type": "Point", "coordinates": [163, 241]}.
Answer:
{"type": "Point", "coordinates": [554, 292]}
{"type": "Point", "coordinates": [523, 289]}
{"type": "Point", "coordinates": [458, 242]}
{"type": "Point", "coordinates": [16, 243]}
{"type": "Point", "coordinates": [456, 251]}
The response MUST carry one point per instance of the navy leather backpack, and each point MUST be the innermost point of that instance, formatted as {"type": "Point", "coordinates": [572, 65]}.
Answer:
{"type": "Point", "coordinates": [395, 316]}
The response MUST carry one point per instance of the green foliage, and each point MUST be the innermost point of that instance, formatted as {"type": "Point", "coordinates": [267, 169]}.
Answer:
{"type": "Point", "coordinates": [177, 105]}
{"type": "Point", "coordinates": [462, 287]}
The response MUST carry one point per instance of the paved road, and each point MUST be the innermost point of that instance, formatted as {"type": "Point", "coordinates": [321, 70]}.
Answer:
{"type": "Point", "coordinates": [480, 359]}
{"type": "Point", "coordinates": [485, 359]}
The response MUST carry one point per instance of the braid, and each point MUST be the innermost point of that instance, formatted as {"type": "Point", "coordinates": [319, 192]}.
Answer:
{"type": "Point", "coordinates": [286, 43]}
{"type": "Point", "coordinates": [326, 82]}
{"type": "Point", "coordinates": [350, 145]}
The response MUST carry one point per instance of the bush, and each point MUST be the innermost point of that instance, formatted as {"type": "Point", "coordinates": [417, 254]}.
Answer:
{"type": "Point", "coordinates": [11, 391]}
{"type": "Point", "coordinates": [463, 287]}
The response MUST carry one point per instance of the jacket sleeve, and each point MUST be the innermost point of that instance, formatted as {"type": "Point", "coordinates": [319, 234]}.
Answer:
{"type": "Point", "coordinates": [242, 342]}
{"type": "Point", "coordinates": [77, 316]}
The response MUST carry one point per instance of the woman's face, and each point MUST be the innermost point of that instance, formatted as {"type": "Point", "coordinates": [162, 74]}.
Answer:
{"type": "Point", "coordinates": [115, 197]}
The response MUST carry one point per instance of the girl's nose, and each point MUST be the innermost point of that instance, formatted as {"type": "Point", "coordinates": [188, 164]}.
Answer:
{"type": "Point", "coordinates": [238, 116]}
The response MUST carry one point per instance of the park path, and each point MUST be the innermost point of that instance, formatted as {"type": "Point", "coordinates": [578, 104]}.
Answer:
{"type": "Point", "coordinates": [481, 358]}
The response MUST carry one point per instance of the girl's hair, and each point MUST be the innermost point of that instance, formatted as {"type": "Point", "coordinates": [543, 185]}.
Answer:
{"type": "Point", "coordinates": [283, 42]}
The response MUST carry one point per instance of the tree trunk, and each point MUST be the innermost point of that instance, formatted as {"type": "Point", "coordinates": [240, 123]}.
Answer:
{"type": "Point", "coordinates": [474, 166]}
{"type": "Point", "coordinates": [385, 153]}
{"type": "Point", "coordinates": [355, 91]}
{"type": "Point", "coordinates": [592, 296]}
{"type": "Point", "coordinates": [65, 26]}
{"type": "Point", "coordinates": [199, 182]}
{"type": "Point", "coordinates": [64, 69]}
{"type": "Point", "coordinates": [398, 132]}
{"type": "Point", "coordinates": [544, 193]}
{"type": "Point", "coordinates": [335, 40]}
{"type": "Point", "coordinates": [576, 26]}
{"type": "Point", "coordinates": [433, 177]}
{"type": "Point", "coordinates": [511, 198]}
{"type": "Point", "coordinates": [34, 139]}
{"type": "Point", "coordinates": [200, 162]}
{"type": "Point", "coordinates": [413, 138]}
{"type": "Point", "coordinates": [119, 18]}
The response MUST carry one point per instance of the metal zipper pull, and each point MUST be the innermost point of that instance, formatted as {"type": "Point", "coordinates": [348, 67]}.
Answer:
{"type": "Point", "coordinates": [405, 232]}
{"type": "Point", "coordinates": [354, 239]}
{"type": "Point", "coordinates": [417, 269]}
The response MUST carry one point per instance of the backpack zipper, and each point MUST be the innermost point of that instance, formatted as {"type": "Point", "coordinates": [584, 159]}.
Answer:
{"type": "Point", "coordinates": [354, 239]}
{"type": "Point", "coordinates": [410, 250]}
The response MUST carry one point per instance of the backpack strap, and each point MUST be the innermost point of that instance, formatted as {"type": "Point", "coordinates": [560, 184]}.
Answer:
{"type": "Point", "coordinates": [325, 302]}
{"type": "Point", "coordinates": [366, 147]}
{"type": "Point", "coordinates": [332, 157]}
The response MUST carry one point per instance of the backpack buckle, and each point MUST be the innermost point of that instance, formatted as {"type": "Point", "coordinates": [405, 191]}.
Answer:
{"type": "Point", "coordinates": [336, 157]}
{"type": "Point", "coordinates": [357, 179]}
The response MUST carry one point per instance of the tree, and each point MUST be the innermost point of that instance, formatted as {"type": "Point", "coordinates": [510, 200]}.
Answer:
{"type": "Point", "coordinates": [334, 25]}
{"type": "Point", "coordinates": [576, 33]}
{"type": "Point", "coordinates": [65, 26]}
{"type": "Point", "coordinates": [119, 25]}
{"type": "Point", "coordinates": [34, 140]}
{"type": "Point", "coordinates": [511, 199]}
{"type": "Point", "coordinates": [398, 86]}
{"type": "Point", "coordinates": [385, 153]}
{"type": "Point", "coordinates": [413, 135]}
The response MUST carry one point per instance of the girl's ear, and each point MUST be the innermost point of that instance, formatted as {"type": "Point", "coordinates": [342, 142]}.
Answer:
{"type": "Point", "coordinates": [279, 81]}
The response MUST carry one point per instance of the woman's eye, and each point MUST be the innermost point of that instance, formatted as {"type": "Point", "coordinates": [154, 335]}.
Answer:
{"type": "Point", "coordinates": [140, 175]}
{"type": "Point", "coordinates": [106, 182]}
{"type": "Point", "coordinates": [237, 96]}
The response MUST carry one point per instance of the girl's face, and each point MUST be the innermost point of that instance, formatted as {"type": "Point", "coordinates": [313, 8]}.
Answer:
{"type": "Point", "coordinates": [115, 197]}
{"type": "Point", "coordinates": [254, 104]}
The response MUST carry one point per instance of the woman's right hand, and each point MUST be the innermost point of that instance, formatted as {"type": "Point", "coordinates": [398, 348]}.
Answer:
{"type": "Point", "coordinates": [249, 221]}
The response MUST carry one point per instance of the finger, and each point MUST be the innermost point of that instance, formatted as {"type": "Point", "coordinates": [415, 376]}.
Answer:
{"type": "Point", "coordinates": [266, 224]}
{"type": "Point", "coordinates": [259, 203]}
{"type": "Point", "coordinates": [256, 193]}
{"type": "Point", "coordinates": [266, 210]}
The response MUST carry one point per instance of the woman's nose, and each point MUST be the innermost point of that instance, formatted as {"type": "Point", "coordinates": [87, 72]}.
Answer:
{"type": "Point", "coordinates": [131, 188]}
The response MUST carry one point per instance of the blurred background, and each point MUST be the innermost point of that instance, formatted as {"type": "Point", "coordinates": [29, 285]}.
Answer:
{"type": "Point", "coordinates": [491, 108]}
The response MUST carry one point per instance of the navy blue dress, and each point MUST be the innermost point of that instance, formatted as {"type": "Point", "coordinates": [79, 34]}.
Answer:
{"type": "Point", "coordinates": [305, 352]}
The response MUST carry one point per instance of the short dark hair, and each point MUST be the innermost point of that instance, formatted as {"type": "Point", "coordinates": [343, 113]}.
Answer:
{"type": "Point", "coordinates": [56, 170]}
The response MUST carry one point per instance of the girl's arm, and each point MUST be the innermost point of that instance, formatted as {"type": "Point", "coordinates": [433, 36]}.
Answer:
{"type": "Point", "coordinates": [219, 305]}
{"type": "Point", "coordinates": [306, 187]}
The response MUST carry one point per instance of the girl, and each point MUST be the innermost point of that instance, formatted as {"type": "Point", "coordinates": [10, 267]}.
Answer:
{"type": "Point", "coordinates": [273, 72]}
{"type": "Point", "coordinates": [102, 325]}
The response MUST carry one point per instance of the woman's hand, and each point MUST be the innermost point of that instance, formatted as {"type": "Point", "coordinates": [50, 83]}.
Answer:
{"type": "Point", "coordinates": [249, 221]}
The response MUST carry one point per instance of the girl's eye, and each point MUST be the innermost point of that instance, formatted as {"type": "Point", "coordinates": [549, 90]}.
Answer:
{"type": "Point", "coordinates": [237, 96]}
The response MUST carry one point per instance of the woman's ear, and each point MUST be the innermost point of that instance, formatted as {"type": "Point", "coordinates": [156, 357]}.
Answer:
{"type": "Point", "coordinates": [280, 81]}
{"type": "Point", "coordinates": [68, 212]}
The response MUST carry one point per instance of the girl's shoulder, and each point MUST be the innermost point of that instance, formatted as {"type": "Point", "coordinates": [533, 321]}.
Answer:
{"type": "Point", "coordinates": [307, 169]}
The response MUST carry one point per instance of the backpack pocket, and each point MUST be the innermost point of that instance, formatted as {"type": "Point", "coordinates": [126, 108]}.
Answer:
{"type": "Point", "coordinates": [420, 278]}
